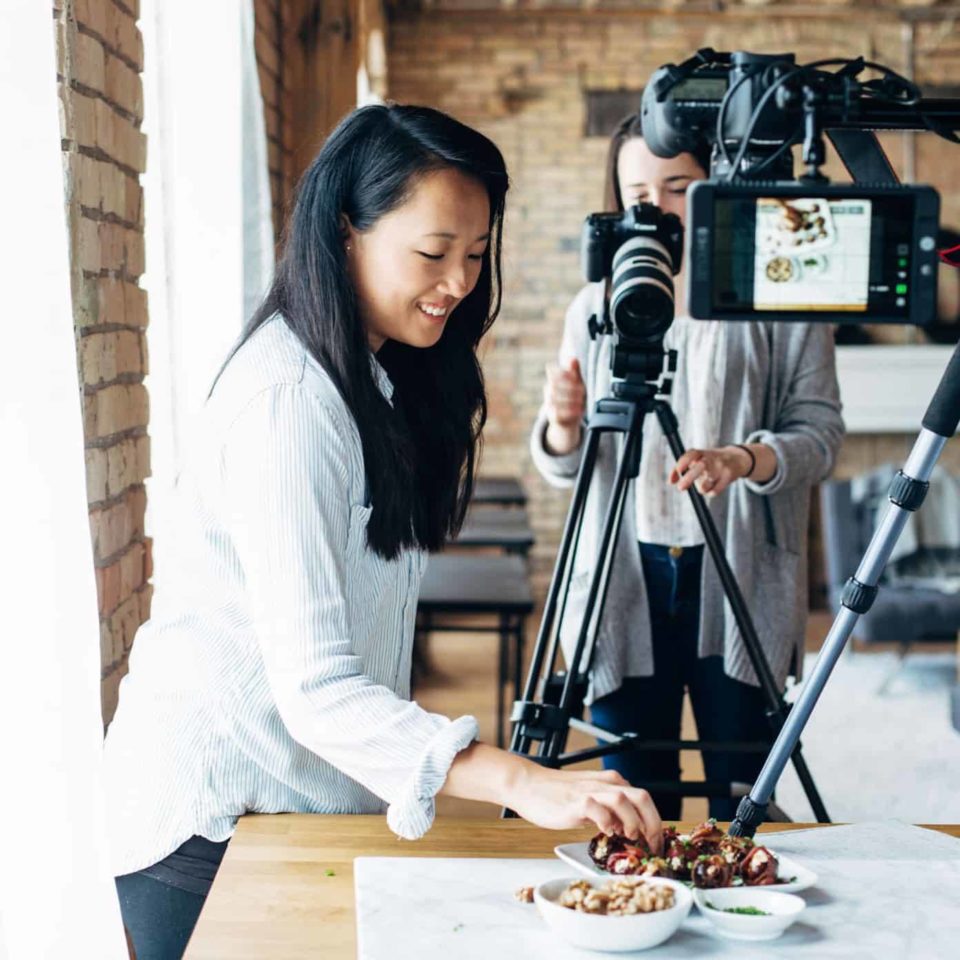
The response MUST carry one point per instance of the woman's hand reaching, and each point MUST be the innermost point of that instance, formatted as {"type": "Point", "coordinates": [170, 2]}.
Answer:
{"type": "Point", "coordinates": [714, 469]}
{"type": "Point", "coordinates": [555, 799]}
{"type": "Point", "coordinates": [565, 799]}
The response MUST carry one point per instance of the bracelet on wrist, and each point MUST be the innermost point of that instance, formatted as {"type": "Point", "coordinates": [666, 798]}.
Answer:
{"type": "Point", "coordinates": [753, 459]}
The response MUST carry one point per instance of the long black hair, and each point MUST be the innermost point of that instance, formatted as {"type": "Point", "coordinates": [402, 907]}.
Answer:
{"type": "Point", "coordinates": [627, 129]}
{"type": "Point", "coordinates": [420, 451]}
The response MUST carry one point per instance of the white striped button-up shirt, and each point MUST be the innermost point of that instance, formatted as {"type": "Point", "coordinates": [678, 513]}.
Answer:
{"type": "Point", "coordinates": [274, 673]}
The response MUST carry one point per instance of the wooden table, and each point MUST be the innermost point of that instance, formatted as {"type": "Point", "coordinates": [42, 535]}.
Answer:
{"type": "Point", "coordinates": [285, 888]}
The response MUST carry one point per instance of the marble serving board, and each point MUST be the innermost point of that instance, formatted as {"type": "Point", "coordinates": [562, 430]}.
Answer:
{"type": "Point", "coordinates": [885, 890]}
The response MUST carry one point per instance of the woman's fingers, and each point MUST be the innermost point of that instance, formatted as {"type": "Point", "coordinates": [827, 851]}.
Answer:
{"type": "Point", "coordinates": [684, 463]}
{"type": "Point", "coordinates": [711, 470]}
{"type": "Point", "coordinates": [565, 395]}
{"type": "Point", "coordinates": [632, 810]}
{"type": "Point", "coordinates": [697, 469]}
{"type": "Point", "coordinates": [652, 824]}
{"type": "Point", "coordinates": [623, 807]}
{"type": "Point", "coordinates": [600, 814]}
{"type": "Point", "coordinates": [633, 807]}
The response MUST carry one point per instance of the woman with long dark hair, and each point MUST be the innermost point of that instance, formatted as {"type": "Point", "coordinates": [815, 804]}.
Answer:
{"type": "Point", "coordinates": [337, 445]}
{"type": "Point", "coordinates": [759, 407]}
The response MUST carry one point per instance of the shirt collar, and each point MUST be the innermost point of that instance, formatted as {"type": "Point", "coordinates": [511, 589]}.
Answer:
{"type": "Point", "coordinates": [381, 377]}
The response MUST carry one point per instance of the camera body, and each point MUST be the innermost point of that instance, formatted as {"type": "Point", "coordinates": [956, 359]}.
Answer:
{"type": "Point", "coordinates": [640, 250]}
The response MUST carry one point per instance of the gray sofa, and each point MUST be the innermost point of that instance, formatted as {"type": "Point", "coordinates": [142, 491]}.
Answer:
{"type": "Point", "coordinates": [902, 613]}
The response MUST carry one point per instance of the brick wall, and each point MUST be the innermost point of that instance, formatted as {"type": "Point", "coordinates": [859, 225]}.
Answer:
{"type": "Point", "coordinates": [520, 77]}
{"type": "Point", "coordinates": [272, 17]}
{"type": "Point", "coordinates": [100, 58]}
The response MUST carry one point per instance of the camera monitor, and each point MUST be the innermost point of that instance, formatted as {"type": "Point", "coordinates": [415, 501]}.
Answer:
{"type": "Point", "coordinates": [837, 253]}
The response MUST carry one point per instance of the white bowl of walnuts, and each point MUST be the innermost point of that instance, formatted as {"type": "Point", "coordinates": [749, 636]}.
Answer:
{"type": "Point", "coordinates": [621, 914]}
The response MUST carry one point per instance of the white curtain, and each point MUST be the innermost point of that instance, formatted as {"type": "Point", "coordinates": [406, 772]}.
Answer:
{"type": "Point", "coordinates": [209, 235]}
{"type": "Point", "coordinates": [56, 896]}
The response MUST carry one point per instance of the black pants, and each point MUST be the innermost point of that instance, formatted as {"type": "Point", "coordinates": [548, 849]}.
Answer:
{"type": "Point", "coordinates": [161, 903]}
{"type": "Point", "coordinates": [724, 709]}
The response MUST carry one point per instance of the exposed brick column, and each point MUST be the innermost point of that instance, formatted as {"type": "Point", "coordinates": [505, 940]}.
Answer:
{"type": "Point", "coordinates": [100, 59]}
{"type": "Point", "coordinates": [270, 17]}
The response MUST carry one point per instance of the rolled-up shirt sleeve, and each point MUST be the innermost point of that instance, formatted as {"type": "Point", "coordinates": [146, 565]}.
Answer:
{"type": "Point", "coordinates": [289, 469]}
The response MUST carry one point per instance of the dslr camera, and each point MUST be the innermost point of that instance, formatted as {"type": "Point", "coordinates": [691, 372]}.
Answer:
{"type": "Point", "coordinates": [641, 251]}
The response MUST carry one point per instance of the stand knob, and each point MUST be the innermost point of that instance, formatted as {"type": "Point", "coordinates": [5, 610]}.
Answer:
{"type": "Point", "coordinates": [596, 327]}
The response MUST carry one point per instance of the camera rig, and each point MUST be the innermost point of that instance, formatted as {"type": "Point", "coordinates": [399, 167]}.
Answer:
{"type": "Point", "coordinates": [761, 105]}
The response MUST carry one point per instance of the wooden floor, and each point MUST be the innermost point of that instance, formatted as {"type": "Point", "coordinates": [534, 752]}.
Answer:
{"type": "Point", "coordinates": [463, 681]}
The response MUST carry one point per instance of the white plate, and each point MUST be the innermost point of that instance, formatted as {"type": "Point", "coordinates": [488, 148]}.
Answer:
{"type": "Point", "coordinates": [576, 855]}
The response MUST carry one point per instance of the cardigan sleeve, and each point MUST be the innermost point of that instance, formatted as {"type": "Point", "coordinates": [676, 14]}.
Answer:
{"type": "Point", "coordinates": [808, 426]}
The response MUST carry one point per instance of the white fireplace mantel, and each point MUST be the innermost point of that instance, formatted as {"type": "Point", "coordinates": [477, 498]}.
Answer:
{"type": "Point", "coordinates": [886, 388]}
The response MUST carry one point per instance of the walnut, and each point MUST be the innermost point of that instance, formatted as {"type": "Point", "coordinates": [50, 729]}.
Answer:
{"type": "Point", "coordinates": [626, 895]}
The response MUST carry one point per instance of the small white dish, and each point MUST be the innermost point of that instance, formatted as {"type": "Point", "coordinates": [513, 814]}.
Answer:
{"type": "Point", "coordinates": [637, 931]}
{"type": "Point", "coordinates": [796, 876]}
{"type": "Point", "coordinates": [780, 910]}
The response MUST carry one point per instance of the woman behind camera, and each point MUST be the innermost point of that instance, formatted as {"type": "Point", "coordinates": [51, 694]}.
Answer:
{"type": "Point", "coordinates": [337, 445]}
{"type": "Point", "coordinates": [758, 407]}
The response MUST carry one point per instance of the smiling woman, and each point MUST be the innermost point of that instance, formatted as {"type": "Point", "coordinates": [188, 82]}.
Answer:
{"type": "Point", "coordinates": [337, 445]}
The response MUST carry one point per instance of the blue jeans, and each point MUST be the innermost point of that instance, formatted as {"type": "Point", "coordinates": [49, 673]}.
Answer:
{"type": "Point", "coordinates": [724, 709]}
{"type": "Point", "coordinates": [161, 903]}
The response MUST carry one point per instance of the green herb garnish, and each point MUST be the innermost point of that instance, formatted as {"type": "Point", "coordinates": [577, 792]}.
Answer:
{"type": "Point", "coordinates": [329, 873]}
{"type": "Point", "coordinates": [744, 911]}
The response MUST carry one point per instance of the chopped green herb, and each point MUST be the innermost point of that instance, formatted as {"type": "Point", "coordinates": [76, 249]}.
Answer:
{"type": "Point", "coordinates": [329, 872]}
{"type": "Point", "coordinates": [744, 911]}
{"type": "Point", "coordinates": [458, 928]}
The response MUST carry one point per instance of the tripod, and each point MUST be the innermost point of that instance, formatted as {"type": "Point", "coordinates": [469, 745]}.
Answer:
{"type": "Point", "coordinates": [907, 492]}
{"type": "Point", "coordinates": [548, 722]}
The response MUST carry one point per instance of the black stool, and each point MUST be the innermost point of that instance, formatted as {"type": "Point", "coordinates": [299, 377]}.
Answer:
{"type": "Point", "coordinates": [499, 491]}
{"type": "Point", "coordinates": [491, 526]}
{"type": "Point", "coordinates": [493, 587]}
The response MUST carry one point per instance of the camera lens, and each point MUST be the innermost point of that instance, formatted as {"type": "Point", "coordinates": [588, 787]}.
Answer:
{"type": "Point", "coordinates": [641, 296]}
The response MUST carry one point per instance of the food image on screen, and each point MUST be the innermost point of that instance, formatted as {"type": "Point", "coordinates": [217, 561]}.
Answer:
{"type": "Point", "coordinates": [779, 270]}
{"type": "Point", "coordinates": [811, 254]}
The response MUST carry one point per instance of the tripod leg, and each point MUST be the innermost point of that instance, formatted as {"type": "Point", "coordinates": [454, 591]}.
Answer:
{"type": "Point", "coordinates": [776, 708]}
{"type": "Point", "coordinates": [630, 418]}
{"type": "Point", "coordinates": [549, 722]}
{"type": "Point", "coordinates": [906, 495]}
{"type": "Point", "coordinates": [559, 583]}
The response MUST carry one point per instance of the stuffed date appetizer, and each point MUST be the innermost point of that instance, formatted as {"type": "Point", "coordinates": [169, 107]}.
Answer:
{"type": "Point", "coordinates": [706, 856]}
